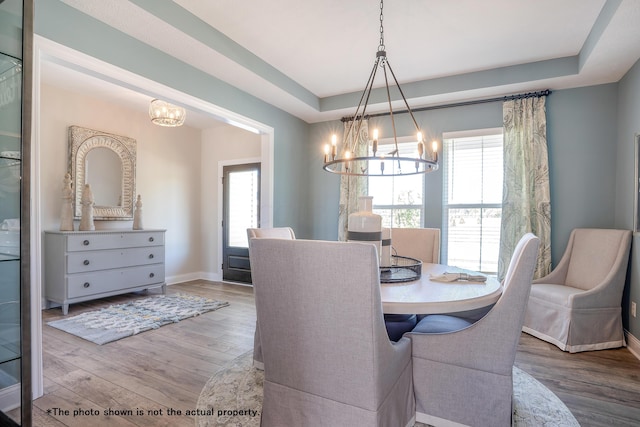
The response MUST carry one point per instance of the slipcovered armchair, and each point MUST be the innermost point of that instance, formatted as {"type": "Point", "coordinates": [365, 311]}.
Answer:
{"type": "Point", "coordinates": [463, 371]}
{"type": "Point", "coordinates": [577, 306]}
{"type": "Point", "coordinates": [418, 243]}
{"type": "Point", "coordinates": [273, 233]}
{"type": "Point", "coordinates": [327, 358]}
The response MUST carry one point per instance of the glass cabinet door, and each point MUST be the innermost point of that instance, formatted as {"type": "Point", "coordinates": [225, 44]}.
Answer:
{"type": "Point", "coordinates": [12, 191]}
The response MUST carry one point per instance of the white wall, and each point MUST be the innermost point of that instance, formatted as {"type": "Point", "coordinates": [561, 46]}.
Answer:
{"type": "Point", "coordinates": [221, 145]}
{"type": "Point", "coordinates": [168, 171]}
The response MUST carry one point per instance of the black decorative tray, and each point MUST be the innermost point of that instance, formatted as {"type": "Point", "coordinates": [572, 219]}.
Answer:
{"type": "Point", "coordinates": [402, 269]}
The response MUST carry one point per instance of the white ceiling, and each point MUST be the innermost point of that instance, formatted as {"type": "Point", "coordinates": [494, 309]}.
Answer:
{"type": "Point", "coordinates": [325, 48]}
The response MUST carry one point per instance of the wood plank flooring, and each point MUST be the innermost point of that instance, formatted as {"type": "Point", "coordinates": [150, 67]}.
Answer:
{"type": "Point", "coordinates": [166, 368]}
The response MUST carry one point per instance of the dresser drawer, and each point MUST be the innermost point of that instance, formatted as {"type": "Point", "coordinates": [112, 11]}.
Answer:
{"type": "Point", "coordinates": [78, 262]}
{"type": "Point", "coordinates": [97, 241]}
{"type": "Point", "coordinates": [80, 285]}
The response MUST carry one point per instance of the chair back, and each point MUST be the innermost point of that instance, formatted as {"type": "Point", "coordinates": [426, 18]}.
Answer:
{"type": "Point", "coordinates": [594, 254]}
{"type": "Point", "coordinates": [494, 338]}
{"type": "Point", "coordinates": [507, 316]}
{"type": "Point", "coordinates": [273, 233]}
{"type": "Point", "coordinates": [418, 243]}
{"type": "Point", "coordinates": [465, 376]}
{"type": "Point", "coordinates": [320, 318]}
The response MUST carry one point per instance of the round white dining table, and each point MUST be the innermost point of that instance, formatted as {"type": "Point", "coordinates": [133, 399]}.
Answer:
{"type": "Point", "coordinates": [426, 296]}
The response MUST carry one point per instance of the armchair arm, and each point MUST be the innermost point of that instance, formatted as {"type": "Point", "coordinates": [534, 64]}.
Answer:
{"type": "Point", "coordinates": [393, 361]}
{"type": "Point", "coordinates": [608, 293]}
{"type": "Point", "coordinates": [559, 274]}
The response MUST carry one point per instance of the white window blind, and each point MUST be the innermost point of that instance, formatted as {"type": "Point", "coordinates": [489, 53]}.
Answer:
{"type": "Point", "coordinates": [472, 205]}
{"type": "Point", "coordinates": [398, 199]}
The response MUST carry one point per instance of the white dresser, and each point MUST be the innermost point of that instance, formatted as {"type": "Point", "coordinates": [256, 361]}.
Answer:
{"type": "Point", "coordinates": [86, 265]}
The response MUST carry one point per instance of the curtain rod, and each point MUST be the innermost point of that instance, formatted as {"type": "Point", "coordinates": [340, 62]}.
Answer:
{"type": "Point", "coordinates": [462, 104]}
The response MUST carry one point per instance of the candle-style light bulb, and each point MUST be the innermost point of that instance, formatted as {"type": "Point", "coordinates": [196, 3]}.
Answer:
{"type": "Point", "coordinates": [334, 146]}
{"type": "Point", "coordinates": [327, 150]}
{"type": "Point", "coordinates": [420, 145]}
{"type": "Point", "coordinates": [375, 141]}
{"type": "Point", "coordinates": [347, 156]}
{"type": "Point", "coordinates": [434, 146]}
{"type": "Point", "coordinates": [382, 164]}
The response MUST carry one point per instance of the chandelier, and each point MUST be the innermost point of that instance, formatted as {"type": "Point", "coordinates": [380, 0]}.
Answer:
{"type": "Point", "coordinates": [373, 163]}
{"type": "Point", "coordinates": [164, 114]}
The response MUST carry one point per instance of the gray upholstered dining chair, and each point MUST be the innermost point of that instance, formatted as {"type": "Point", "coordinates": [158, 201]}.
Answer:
{"type": "Point", "coordinates": [327, 358]}
{"type": "Point", "coordinates": [273, 233]}
{"type": "Point", "coordinates": [418, 243]}
{"type": "Point", "coordinates": [462, 370]}
{"type": "Point", "coordinates": [577, 306]}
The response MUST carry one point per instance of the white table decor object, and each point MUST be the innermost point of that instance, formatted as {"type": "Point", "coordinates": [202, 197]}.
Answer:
{"type": "Point", "coordinates": [86, 222]}
{"type": "Point", "coordinates": [137, 215]}
{"type": "Point", "coordinates": [66, 211]}
{"type": "Point", "coordinates": [364, 225]}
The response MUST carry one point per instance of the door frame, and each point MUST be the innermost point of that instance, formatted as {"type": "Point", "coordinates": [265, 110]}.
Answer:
{"type": "Point", "coordinates": [228, 251]}
{"type": "Point", "coordinates": [266, 200]}
{"type": "Point", "coordinates": [46, 50]}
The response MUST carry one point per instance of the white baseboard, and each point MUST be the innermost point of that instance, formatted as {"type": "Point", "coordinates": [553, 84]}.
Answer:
{"type": "Point", "coordinates": [633, 344]}
{"type": "Point", "coordinates": [214, 277]}
{"type": "Point", "coordinates": [10, 398]}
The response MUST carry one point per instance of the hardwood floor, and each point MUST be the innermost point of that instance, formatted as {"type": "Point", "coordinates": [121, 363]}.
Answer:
{"type": "Point", "coordinates": [165, 369]}
{"type": "Point", "coordinates": [601, 388]}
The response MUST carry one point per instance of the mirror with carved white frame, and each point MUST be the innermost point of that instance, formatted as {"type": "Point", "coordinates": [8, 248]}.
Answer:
{"type": "Point", "coordinates": [108, 163]}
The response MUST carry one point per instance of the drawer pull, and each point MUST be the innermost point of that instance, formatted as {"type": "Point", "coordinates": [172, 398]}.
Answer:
{"type": "Point", "coordinates": [86, 262]}
{"type": "Point", "coordinates": [86, 243]}
{"type": "Point", "coordinates": [86, 284]}
{"type": "Point", "coordinates": [151, 275]}
{"type": "Point", "coordinates": [151, 239]}
{"type": "Point", "coordinates": [150, 256]}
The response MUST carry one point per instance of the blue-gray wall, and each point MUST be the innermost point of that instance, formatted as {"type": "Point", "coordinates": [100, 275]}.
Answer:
{"type": "Point", "coordinates": [584, 125]}
{"type": "Point", "coordinates": [628, 126]}
{"type": "Point", "coordinates": [63, 24]}
{"type": "Point", "coordinates": [581, 134]}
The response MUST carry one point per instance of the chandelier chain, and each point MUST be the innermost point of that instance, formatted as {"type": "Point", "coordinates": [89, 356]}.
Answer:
{"type": "Point", "coordinates": [381, 45]}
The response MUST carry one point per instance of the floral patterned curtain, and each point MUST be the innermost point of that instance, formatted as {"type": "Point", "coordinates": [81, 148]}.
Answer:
{"type": "Point", "coordinates": [526, 202]}
{"type": "Point", "coordinates": [352, 187]}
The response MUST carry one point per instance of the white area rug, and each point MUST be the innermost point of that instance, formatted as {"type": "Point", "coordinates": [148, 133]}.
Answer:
{"type": "Point", "coordinates": [123, 320]}
{"type": "Point", "coordinates": [233, 398]}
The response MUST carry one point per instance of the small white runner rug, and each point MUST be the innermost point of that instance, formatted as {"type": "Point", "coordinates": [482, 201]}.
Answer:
{"type": "Point", "coordinates": [123, 320]}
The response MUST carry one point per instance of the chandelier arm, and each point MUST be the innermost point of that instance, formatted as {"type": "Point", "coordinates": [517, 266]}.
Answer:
{"type": "Point", "coordinates": [403, 97]}
{"type": "Point", "coordinates": [369, 88]}
{"type": "Point", "coordinates": [393, 122]}
{"type": "Point", "coordinates": [366, 92]}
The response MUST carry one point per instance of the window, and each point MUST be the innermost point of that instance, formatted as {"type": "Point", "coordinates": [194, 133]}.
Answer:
{"type": "Point", "coordinates": [398, 199]}
{"type": "Point", "coordinates": [472, 205]}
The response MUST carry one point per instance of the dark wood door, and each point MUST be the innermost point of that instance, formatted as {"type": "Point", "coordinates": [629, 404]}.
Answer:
{"type": "Point", "coordinates": [241, 210]}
